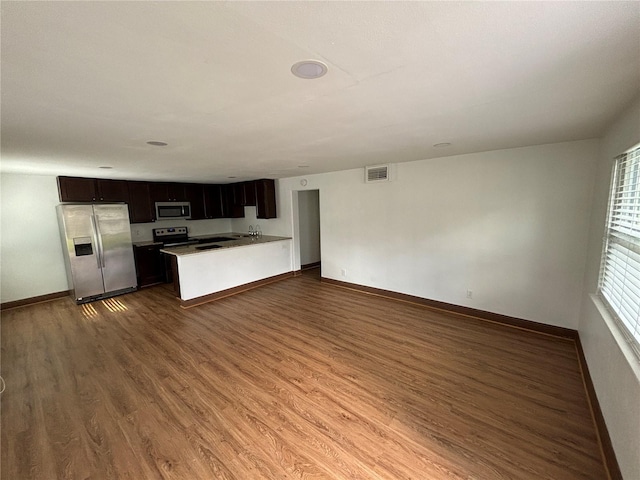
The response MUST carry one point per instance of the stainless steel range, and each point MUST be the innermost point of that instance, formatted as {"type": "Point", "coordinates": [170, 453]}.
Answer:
{"type": "Point", "coordinates": [172, 236]}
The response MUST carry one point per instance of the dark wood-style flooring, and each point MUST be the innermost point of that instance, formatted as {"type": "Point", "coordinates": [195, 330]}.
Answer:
{"type": "Point", "coordinates": [296, 379]}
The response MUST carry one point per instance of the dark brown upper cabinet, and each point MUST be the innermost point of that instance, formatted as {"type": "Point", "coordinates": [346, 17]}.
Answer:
{"type": "Point", "coordinates": [77, 189]}
{"type": "Point", "coordinates": [244, 193]}
{"type": "Point", "coordinates": [213, 203]}
{"type": "Point", "coordinates": [207, 201]}
{"type": "Point", "coordinates": [112, 190]}
{"type": "Point", "coordinates": [167, 192]}
{"type": "Point", "coordinates": [249, 193]}
{"type": "Point", "coordinates": [238, 195]}
{"type": "Point", "coordinates": [141, 210]}
{"type": "Point", "coordinates": [231, 201]}
{"type": "Point", "coordinates": [159, 192]}
{"type": "Point", "coordinates": [194, 194]}
{"type": "Point", "coordinates": [265, 198]}
{"type": "Point", "coordinates": [178, 192]}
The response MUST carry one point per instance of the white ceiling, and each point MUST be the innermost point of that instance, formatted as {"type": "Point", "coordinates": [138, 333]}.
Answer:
{"type": "Point", "coordinates": [87, 84]}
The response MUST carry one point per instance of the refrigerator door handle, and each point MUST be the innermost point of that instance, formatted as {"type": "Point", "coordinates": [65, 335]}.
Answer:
{"type": "Point", "coordinates": [96, 232]}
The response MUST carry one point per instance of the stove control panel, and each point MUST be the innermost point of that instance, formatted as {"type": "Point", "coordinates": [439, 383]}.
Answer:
{"type": "Point", "coordinates": [166, 232]}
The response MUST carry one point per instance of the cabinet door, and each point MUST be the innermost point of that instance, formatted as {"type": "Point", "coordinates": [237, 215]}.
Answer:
{"type": "Point", "coordinates": [141, 209]}
{"type": "Point", "coordinates": [150, 267]}
{"type": "Point", "coordinates": [194, 193]}
{"type": "Point", "coordinates": [77, 189]}
{"type": "Point", "coordinates": [173, 265]}
{"type": "Point", "coordinates": [230, 206]}
{"type": "Point", "coordinates": [177, 192]}
{"type": "Point", "coordinates": [250, 193]}
{"type": "Point", "coordinates": [266, 198]}
{"type": "Point", "coordinates": [239, 197]}
{"type": "Point", "coordinates": [167, 192]}
{"type": "Point", "coordinates": [159, 192]}
{"type": "Point", "coordinates": [213, 201]}
{"type": "Point", "coordinates": [112, 190]}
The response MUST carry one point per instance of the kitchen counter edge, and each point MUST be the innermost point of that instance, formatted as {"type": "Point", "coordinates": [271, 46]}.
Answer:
{"type": "Point", "coordinates": [239, 242]}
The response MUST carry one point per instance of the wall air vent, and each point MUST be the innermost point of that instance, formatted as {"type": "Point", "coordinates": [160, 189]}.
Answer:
{"type": "Point", "coordinates": [376, 173]}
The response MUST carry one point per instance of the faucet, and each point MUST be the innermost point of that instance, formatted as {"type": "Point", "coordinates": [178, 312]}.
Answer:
{"type": "Point", "coordinates": [251, 232]}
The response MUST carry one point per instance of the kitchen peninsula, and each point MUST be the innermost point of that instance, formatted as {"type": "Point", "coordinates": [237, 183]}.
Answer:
{"type": "Point", "coordinates": [229, 264]}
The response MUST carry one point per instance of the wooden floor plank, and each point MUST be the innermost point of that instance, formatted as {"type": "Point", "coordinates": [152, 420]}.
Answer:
{"type": "Point", "coordinates": [296, 379]}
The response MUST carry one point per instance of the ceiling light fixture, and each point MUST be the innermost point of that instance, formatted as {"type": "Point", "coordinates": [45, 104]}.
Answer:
{"type": "Point", "coordinates": [309, 69]}
{"type": "Point", "coordinates": [232, 177]}
{"type": "Point", "coordinates": [442, 145]}
{"type": "Point", "coordinates": [303, 166]}
{"type": "Point", "coordinates": [156, 143]}
{"type": "Point", "coordinates": [105, 167]}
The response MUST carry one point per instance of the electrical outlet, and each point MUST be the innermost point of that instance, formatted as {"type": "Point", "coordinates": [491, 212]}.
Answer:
{"type": "Point", "coordinates": [469, 294]}
{"type": "Point", "coordinates": [137, 232]}
{"type": "Point", "coordinates": [344, 272]}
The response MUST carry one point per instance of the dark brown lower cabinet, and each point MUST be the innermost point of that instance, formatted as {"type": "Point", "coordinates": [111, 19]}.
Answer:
{"type": "Point", "coordinates": [173, 266]}
{"type": "Point", "coordinates": [150, 265]}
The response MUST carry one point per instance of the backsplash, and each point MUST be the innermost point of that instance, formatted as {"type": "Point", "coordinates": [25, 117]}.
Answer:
{"type": "Point", "coordinates": [241, 225]}
{"type": "Point", "coordinates": [142, 232]}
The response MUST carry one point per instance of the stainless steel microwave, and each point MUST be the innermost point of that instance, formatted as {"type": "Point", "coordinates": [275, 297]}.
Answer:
{"type": "Point", "coordinates": [173, 210]}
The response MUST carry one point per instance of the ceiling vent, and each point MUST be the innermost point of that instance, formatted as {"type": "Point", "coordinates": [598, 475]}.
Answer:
{"type": "Point", "coordinates": [376, 173]}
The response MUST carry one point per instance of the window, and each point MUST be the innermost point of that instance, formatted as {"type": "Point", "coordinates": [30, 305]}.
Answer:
{"type": "Point", "coordinates": [620, 268]}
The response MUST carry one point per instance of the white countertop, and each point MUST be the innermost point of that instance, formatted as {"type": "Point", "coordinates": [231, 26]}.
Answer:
{"type": "Point", "coordinates": [239, 240]}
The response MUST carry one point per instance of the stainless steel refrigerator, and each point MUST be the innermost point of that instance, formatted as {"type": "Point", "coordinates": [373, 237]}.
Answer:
{"type": "Point", "coordinates": [96, 241]}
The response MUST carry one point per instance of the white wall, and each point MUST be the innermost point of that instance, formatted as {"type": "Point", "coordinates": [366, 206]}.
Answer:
{"type": "Point", "coordinates": [31, 261]}
{"type": "Point", "coordinates": [614, 369]}
{"type": "Point", "coordinates": [509, 225]}
{"type": "Point", "coordinates": [309, 224]}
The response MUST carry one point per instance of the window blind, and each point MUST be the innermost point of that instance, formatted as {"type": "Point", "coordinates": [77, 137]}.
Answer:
{"type": "Point", "coordinates": [620, 268]}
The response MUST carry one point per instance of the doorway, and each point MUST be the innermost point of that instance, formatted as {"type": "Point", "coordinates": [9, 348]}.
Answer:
{"type": "Point", "coordinates": [309, 229]}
